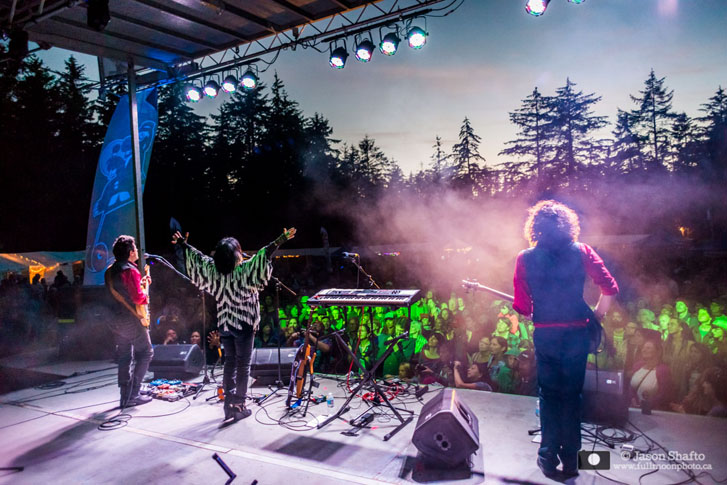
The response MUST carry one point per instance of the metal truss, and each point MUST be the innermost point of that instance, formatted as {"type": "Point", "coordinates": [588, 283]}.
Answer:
{"type": "Point", "coordinates": [310, 35]}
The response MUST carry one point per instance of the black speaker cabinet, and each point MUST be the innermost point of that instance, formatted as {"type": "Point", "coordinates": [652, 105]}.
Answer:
{"type": "Point", "coordinates": [264, 364]}
{"type": "Point", "coordinates": [605, 398]}
{"type": "Point", "coordinates": [176, 361]}
{"type": "Point", "coordinates": [447, 431]}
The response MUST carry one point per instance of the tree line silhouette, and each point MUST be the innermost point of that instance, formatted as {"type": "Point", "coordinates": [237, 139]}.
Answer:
{"type": "Point", "coordinates": [260, 163]}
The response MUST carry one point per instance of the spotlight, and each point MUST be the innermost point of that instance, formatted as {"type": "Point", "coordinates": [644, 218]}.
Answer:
{"type": "Point", "coordinates": [577, 2]}
{"type": "Point", "coordinates": [417, 38]}
{"type": "Point", "coordinates": [338, 58]}
{"type": "Point", "coordinates": [249, 80]}
{"type": "Point", "coordinates": [97, 14]}
{"type": "Point", "coordinates": [211, 89]}
{"type": "Point", "coordinates": [192, 93]}
{"type": "Point", "coordinates": [389, 44]}
{"type": "Point", "coordinates": [229, 84]}
{"type": "Point", "coordinates": [536, 7]}
{"type": "Point", "coordinates": [364, 50]}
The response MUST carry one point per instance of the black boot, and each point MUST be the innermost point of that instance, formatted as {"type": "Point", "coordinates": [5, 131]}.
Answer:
{"type": "Point", "coordinates": [228, 406]}
{"type": "Point", "coordinates": [239, 410]}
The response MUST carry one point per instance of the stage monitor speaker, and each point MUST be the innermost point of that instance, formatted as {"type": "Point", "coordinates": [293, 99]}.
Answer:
{"type": "Point", "coordinates": [177, 361]}
{"type": "Point", "coordinates": [264, 364]}
{"type": "Point", "coordinates": [447, 431]}
{"type": "Point", "coordinates": [605, 398]}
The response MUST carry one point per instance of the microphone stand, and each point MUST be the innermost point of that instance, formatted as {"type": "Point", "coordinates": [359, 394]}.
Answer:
{"type": "Point", "coordinates": [363, 272]}
{"type": "Point", "coordinates": [206, 379]}
{"type": "Point", "coordinates": [278, 383]}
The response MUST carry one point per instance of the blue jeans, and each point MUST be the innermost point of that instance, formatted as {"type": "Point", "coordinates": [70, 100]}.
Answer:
{"type": "Point", "coordinates": [238, 345]}
{"type": "Point", "coordinates": [132, 344]}
{"type": "Point", "coordinates": [560, 355]}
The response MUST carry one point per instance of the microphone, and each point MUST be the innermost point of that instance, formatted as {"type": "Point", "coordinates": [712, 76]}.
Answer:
{"type": "Point", "coordinates": [350, 255]}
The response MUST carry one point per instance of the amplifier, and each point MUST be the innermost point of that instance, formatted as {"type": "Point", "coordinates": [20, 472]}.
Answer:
{"type": "Point", "coordinates": [264, 364]}
{"type": "Point", "coordinates": [184, 360]}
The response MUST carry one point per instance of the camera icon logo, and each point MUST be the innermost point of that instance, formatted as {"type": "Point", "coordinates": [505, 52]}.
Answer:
{"type": "Point", "coordinates": [594, 460]}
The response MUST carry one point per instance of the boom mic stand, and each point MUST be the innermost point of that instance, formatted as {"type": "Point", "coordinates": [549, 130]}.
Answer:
{"type": "Point", "coordinates": [169, 265]}
{"type": "Point", "coordinates": [363, 272]}
{"type": "Point", "coordinates": [369, 378]}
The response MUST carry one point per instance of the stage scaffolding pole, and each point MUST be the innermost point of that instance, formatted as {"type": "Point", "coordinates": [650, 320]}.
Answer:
{"type": "Point", "coordinates": [138, 192]}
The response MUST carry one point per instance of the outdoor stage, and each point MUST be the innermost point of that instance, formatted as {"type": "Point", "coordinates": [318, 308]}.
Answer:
{"type": "Point", "coordinates": [54, 435]}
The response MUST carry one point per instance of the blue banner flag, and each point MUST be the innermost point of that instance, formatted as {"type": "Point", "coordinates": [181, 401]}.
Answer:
{"type": "Point", "coordinates": [113, 210]}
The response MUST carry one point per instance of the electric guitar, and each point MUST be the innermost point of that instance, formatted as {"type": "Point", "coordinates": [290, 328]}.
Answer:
{"type": "Point", "coordinates": [143, 310]}
{"type": "Point", "coordinates": [596, 334]}
{"type": "Point", "coordinates": [304, 359]}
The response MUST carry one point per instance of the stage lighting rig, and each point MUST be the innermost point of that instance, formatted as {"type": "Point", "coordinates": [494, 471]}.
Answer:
{"type": "Point", "coordinates": [536, 7]}
{"type": "Point", "coordinates": [389, 44]}
{"type": "Point", "coordinates": [192, 93]}
{"type": "Point", "coordinates": [229, 84]}
{"type": "Point", "coordinates": [97, 14]}
{"type": "Point", "coordinates": [364, 50]}
{"type": "Point", "coordinates": [338, 57]}
{"type": "Point", "coordinates": [249, 80]}
{"type": "Point", "coordinates": [211, 88]}
{"type": "Point", "coordinates": [417, 37]}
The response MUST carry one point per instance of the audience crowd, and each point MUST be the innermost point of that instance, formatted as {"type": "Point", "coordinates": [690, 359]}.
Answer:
{"type": "Point", "coordinates": [673, 353]}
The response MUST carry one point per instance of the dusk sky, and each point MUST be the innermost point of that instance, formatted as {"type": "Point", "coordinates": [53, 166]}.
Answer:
{"type": "Point", "coordinates": [483, 59]}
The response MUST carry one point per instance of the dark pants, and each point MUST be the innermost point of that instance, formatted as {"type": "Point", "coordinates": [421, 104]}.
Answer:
{"type": "Point", "coordinates": [132, 344]}
{"type": "Point", "coordinates": [561, 355]}
{"type": "Point", "coordinates": [238, 346]}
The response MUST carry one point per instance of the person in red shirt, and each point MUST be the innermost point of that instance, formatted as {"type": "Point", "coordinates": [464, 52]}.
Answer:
{"type": "Point", "coordinates": [548, 283]}
{"type": "Point", "coordinates": [127, 289]}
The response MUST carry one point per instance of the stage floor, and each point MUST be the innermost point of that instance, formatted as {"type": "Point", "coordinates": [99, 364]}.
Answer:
{"type": "Point", "coordinates": [54, 435]}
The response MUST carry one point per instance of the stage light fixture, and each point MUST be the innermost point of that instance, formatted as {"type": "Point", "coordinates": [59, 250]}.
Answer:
{"type": "Point", "coordinates": [417, 38]}
{"type": "Point", "coordinates": [229, 84]}
{"type": "Point", "coordinates": [192, 93]}
{"type": "Point", "coordinates": [389, 44]}
{"type": "Point", "coordinates": [18, 45]}
{"type": "Point", "coordinates": [97, 14]}
{"type": "Point", "coordinates": [364, 50]}
{"type": "Point", "coordinates": [211, 89]}
{"type": "Point", "coordinates": [338, 57]}
{"type": "Point", "coordinates": [249, 80]}
{"type": "Point", "coordinates": [536, 7]}
{"type": "Point", "coordinates": [577, 2]}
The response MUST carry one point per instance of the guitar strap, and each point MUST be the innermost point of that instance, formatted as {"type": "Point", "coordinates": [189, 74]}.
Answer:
{"type": "Point", "coordinates": [117, 296]}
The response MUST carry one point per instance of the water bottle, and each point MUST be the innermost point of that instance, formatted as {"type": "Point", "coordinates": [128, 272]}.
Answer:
{"type": "Point", "coordinates": [537, 412]}
{"type": "Point", "coordinates": [329, 402]}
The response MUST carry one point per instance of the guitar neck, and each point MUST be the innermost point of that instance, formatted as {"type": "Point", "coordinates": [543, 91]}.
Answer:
{"type": "Point", "coordinates": [492, 291]}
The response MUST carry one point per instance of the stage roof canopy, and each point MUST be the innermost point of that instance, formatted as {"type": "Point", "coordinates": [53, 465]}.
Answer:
{"type": "Point", "coordinates": [161, 34]}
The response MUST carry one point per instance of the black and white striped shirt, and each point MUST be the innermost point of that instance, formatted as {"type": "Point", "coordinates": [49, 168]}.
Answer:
{"type": "Point", "coordinates": [237, 292]}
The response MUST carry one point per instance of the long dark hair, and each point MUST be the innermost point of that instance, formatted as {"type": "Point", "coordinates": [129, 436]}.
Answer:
{"type": "Point", "coordinates": [228, 254]}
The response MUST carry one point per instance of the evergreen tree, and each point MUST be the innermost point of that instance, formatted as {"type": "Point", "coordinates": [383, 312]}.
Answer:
{"type": "Point", "coordinates": [439, 167]}
{"type": "Point", "coordinates": [176, 184]}
{"type": "Point", "coordinates": [531, 147]}
{"type": "Point", "coordinates": [374, 167]}
{"type": "Point", "coordinates": [466, 157]}
{"type": "Point", "coordinates": [625, 154]}
{"type": "Point", "coordinates": [686, 144]}
{"type": "Point", "coordinates": [75, 115]}
{"type": "Point", "coordinates": [653, 118]}
{"type": "Point", "coordinates": [715, 132]}
{"type": "Point", "coordinates": [105, 105]}
{"type": "Point", "coordinates": [571, 124]}
{"type": "Point", "coordinates": [284, 138]}
{"type": "Point", "coordinates": [319, 156]}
